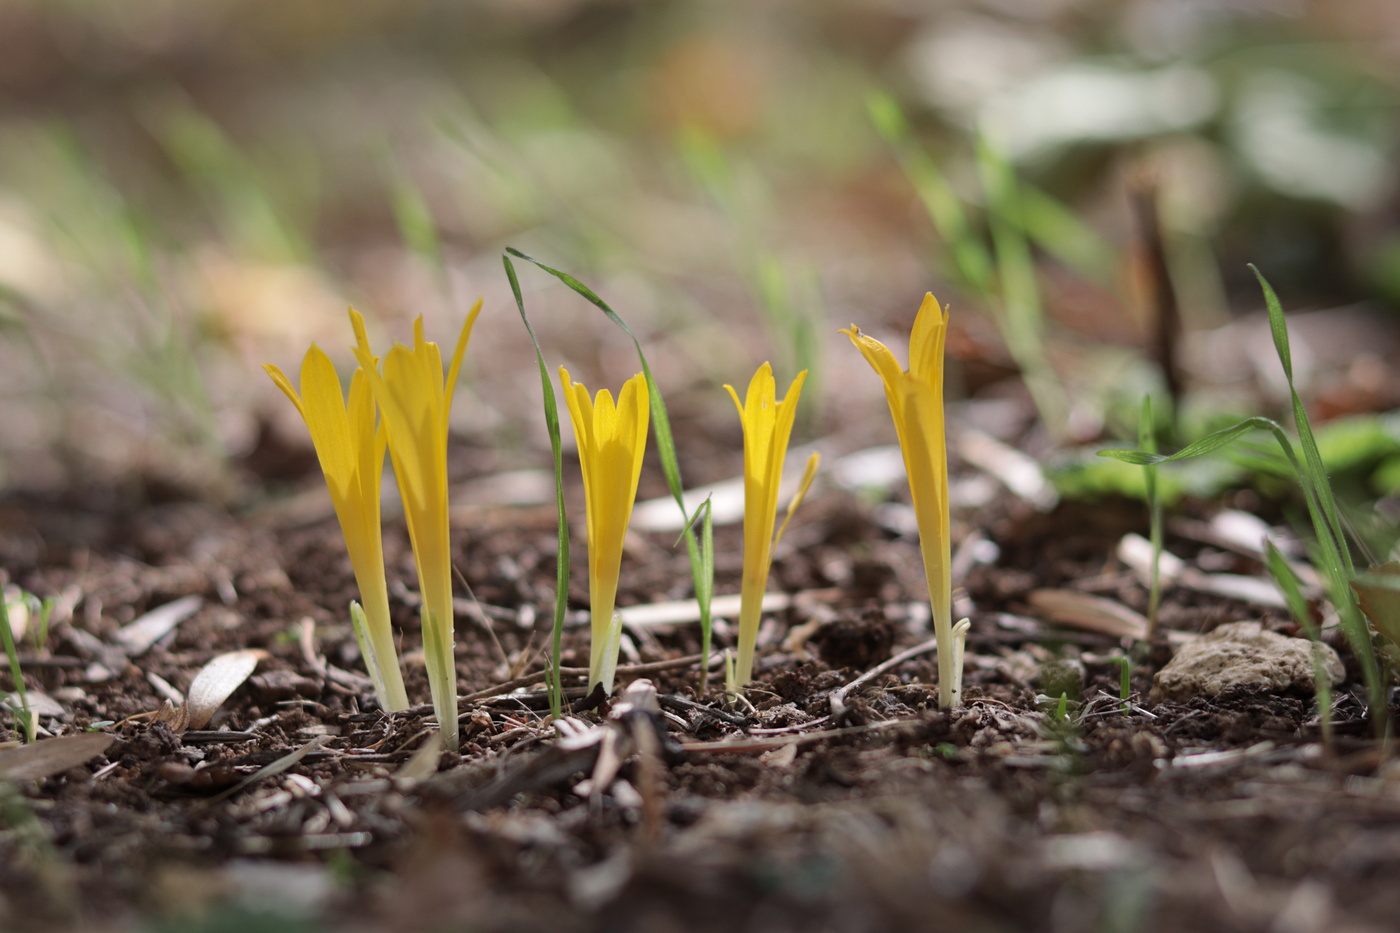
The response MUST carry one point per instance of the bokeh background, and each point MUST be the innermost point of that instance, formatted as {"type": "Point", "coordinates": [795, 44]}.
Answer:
{"type": "Point", "coordinates": [189, 190]}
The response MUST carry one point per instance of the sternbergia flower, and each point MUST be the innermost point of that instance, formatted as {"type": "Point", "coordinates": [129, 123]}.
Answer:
{"type": "Point", "coordinates": [915, 398]}
{"type": "Point", "coordinates": [611, 441]}
{"type": "Point", "coordinates": [767, 423]}
{"type": "Point", "coordinates": [351, 454]}
{"type": "Point", "coordinates": [416, 403]}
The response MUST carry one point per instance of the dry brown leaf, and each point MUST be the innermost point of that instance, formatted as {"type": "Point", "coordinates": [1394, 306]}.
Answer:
{"type": "Point", "coordinates": [44, 759]}
{"type": "Point", "coordinates": [1090, 613]}
{"type": "Point", "coordinates": [216, 682]}
{"type": "Point", "coordinates": [177, 717]}
{"type": "Point", "coordinates": [1379, 593]}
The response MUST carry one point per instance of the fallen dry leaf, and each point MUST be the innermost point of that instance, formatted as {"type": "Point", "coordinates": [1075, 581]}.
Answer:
{"type": "Point", "coordinates": [1379, 593]}
{"type": "Point", "coordinates": [1090, 613]}
{"type": "Point", "coordinates": [44, 759]}
{"type": "Point", "coordinates": [216, 682]}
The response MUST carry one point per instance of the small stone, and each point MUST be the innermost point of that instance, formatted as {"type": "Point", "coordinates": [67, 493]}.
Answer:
{"type": "Point", "coordinates": [1243, 654]}
{"type": "Point", "coordinates": [277, 686]}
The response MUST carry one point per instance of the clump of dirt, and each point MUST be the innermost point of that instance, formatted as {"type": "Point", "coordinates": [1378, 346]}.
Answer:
{"type": "Point", "coordinates": [859, 643]}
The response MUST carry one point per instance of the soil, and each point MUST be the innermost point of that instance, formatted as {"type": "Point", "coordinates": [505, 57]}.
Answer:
{"type": "Point", "coordinates": [810, 807]}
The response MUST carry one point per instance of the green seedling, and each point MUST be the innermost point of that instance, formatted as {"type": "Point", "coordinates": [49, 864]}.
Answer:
{"type": "Point", "coordinates": [701, 570]}
{"type": "Point", "coordinates": [18, 701]}
{"type": "Point", "coordinates": [1332, 548]}
{"type": "Point", "coordinates": [1147, 440]}
{"type": "Point", "coordinates": [561, 581]}
{"type": "Point", "coordinates": [1125, 683]}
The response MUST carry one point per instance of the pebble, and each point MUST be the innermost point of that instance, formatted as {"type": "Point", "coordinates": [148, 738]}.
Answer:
{"type": "Point", "coordinates": [1243, 654]}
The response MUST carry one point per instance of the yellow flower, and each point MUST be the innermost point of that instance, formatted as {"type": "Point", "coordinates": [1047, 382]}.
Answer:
{"type": "Point", "coordinates": [351, 453]}
{"type": "Point", "coordinates": [611, 440]}
{"type": "Point", "coordinates": [767, 427]}
{"type": "Point", "coordinates": [915, 398]}
{"type": "Point", "coordinates": [415, 404]}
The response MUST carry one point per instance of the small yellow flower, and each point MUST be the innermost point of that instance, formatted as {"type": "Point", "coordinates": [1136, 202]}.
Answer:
{"type": "Point", "coordinates": [767, 427]}
{"type": "Point", "coordinates": [915, 398]}
{"type": "Point", "coordinates": [351, 453]}
{"type": "Point", "coordinates": [416, 403]}
{"type": "Point", "coordinates": [611, 441]}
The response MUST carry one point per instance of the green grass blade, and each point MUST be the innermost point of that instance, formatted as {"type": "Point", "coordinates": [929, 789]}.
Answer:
{"type": "Point", "coordinates": [660, 423]}
{"type": "Point", "coordinates": [1317, 471]}
{"type": "Point", "coordinates": [1292, 589]}
{"type": "Point", "coordinates": [1206, 445]}
{"type": "Point", "coordinates": [1147, 440]}
{"type": "Point", "coordinates": [561, 583]}
{"type": "Point", "coordinates": [971, 258]}
{"type": "Point", "coordinates": [1339, 567]}
{"type": "Point", "coordinates": [24, 722]}
{"type": "Point", "coordinates": [1055, 228]}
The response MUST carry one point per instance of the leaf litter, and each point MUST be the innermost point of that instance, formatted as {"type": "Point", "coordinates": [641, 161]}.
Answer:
{"type": "Point", "coordinates": [837, 797]}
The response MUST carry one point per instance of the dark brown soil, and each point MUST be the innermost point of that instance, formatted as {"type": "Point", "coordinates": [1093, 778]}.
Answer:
{"type": "Point", "coordinates": [875, 812]}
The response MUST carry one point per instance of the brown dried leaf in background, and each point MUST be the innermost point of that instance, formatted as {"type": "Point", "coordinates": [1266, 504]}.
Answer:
{"type": "Point", "coordinates": [1379, 593]}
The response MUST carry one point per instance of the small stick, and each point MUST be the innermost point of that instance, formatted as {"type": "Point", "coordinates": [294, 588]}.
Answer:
{"type": "Point", "coordinates": [530, 680]}
{"type": "Point", "coordinates": [838, 698]}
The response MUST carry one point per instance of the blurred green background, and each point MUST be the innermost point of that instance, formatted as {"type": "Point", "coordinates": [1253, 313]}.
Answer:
{"type": "Point", "coordinates": [188, 190]}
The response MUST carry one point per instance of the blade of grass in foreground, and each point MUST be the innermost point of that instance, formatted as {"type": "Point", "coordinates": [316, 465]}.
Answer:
{"type": "Point", "coordinates": [702, 574]}
{"type": "Point", "coordinates": [561, 582]}
{"type": "Point", "coordinates": [1331, 539]}
{"type": "Point", "coordinates": [1292, 590]}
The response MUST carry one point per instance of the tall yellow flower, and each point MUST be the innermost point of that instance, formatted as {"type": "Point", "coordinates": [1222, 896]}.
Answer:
{"type": "Point", "coordinates": [611, 441]}
{"type": "Point", "coordinates": [416, 404]}
{"type": "Point", "coordinates": [351, 453]}
{"type": "Point", "coordinates": [915, 398]}
{"type": "Point", "coordinates": [767, 427]}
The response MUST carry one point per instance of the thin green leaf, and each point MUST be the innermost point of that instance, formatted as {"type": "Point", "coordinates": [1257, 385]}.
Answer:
{"type": "Point", "coordinates": [24, 721]}
{"type": "Point", "coordinates": [561, 581]}
{"type": "Point", "coordinates": [1147, 440]}
{"type": "Point", "coordinates": [1206, 445]}
{"type": "Point", "coordinates": [1317, 470]}
{"type": "Point", "coordinates": [1292, 589]}
{"type": "Point", "coordinates": [970, 255]}
{"type": "Point", "coordinates": [660, 421]}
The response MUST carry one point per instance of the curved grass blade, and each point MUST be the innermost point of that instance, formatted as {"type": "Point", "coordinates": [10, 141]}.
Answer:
{"type": "Point", "coordinates": [701, 571]}
{"type": "Point", "coordinates": [561, 583]}
{"type": "Point", "coordinates": [1292, 589]}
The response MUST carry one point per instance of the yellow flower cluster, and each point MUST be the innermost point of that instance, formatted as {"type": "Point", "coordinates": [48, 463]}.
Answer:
{"type": "Point", "coordinates": [402, 404]}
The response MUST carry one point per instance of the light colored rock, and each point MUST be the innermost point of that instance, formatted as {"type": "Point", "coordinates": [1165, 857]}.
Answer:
{"type": "Point", "coordinates": [1243, 653]}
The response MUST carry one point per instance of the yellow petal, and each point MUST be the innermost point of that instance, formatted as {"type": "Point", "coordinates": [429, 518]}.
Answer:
{"type": "Point", "coordinates": [282, 382]}
{"type": "Point", "coordinates": [926, 342]}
